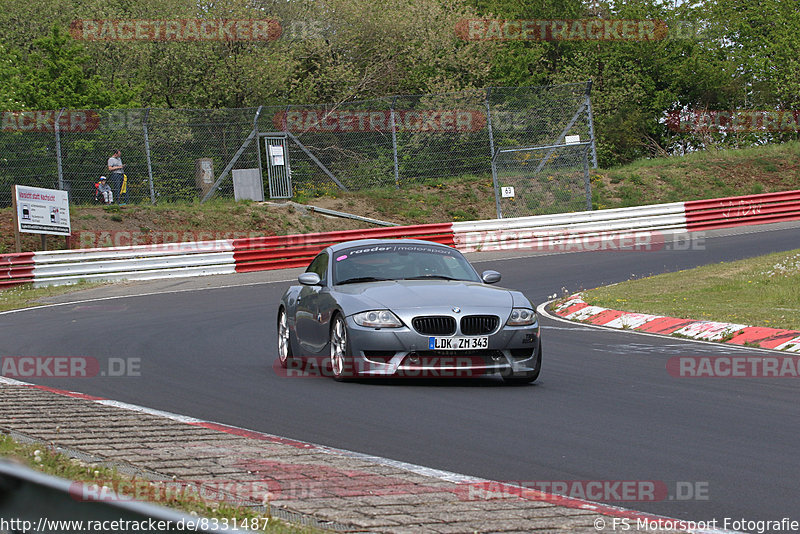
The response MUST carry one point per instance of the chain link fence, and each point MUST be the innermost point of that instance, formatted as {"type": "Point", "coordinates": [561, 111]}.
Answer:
{"type": "Point", "coordinates": [543, 142]}
{"type": "Point", "coordinates": [396, 141]}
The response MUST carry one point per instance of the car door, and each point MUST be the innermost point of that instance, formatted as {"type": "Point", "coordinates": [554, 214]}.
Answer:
{"type": "Point", "coordinates": [310, 325]}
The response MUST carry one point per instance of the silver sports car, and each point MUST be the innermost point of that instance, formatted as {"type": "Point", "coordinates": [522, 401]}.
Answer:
{"type": "Point", "coordinates": [408, 308]}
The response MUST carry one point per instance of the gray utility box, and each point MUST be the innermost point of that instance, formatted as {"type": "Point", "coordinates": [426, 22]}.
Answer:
{"type": "Point", "coordinates": [248, 185]}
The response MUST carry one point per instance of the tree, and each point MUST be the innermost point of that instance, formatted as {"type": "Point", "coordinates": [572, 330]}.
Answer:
{"type": "Point", "coordinates": [56, 76]}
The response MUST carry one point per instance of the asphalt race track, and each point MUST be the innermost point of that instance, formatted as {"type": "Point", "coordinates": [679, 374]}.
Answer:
{"type": "Point", "coordinates": [604, 408]}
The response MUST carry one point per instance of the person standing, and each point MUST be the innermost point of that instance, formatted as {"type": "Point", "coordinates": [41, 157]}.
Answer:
{"type": "Point", "coordinates": [115, 167]}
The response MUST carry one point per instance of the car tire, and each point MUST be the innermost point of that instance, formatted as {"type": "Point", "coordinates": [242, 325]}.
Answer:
{"type": "Point", "coordinates": [284, 339]}
{"type": "Point", "coordinates": [531, 376]}
{"type": "Point", "coordinates": [341, 362]}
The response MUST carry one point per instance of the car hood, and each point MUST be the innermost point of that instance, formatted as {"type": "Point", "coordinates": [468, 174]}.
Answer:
{"type": "Point", "coordinates": [411, 294]}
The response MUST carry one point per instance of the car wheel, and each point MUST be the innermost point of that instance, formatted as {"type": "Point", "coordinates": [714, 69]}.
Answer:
{"type": "Point", "coordinates": [530, 376]}
{"type": "Point", "coordinates": [284, 344]}
{"type": "Point", "coordinates": [340, 349]}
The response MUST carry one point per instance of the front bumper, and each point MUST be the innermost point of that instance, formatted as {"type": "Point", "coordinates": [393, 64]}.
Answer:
{"type": "Point", "coordinates": [404, 352]}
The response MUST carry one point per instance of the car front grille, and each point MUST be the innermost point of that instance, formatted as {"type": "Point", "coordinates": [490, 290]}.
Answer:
{"type": "Point", "coordinates": [478, 325]}
{"type": "Point", "coordinates": [434, 325]}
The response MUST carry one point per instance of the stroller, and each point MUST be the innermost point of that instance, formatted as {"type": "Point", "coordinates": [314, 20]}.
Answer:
{"type": "Point", "coordinates": [102, 192]}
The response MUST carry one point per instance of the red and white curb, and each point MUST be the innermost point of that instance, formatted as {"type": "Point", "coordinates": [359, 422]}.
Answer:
{"type": "Point", "coordinates": [462, 482]}
{"type": "Point", "coordinates": [576, 309]}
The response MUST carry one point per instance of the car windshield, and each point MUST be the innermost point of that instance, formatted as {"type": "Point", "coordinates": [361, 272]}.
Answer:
{"type": "Point", "coordinates": [390, 261]}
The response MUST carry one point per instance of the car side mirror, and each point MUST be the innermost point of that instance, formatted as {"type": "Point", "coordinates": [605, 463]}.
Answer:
{"type": "Point", "coordinates": [490, 277]}
{"type": "Point", "coordinates": [309, 279]}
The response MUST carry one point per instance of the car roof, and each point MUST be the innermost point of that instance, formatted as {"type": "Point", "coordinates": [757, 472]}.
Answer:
{"type": "Point", "coordinates": [368, 242]}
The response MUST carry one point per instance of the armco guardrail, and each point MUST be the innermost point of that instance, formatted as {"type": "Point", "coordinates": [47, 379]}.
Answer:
{"type": "Point", "coordinates": [16, 269]}
{"type": "Point", "coordinates": [638, 226]}
{"type": "Point", "coordinates": [224, 256]}
{"type": "Point", "coordinates": [138, 262]}
{"type": "Point", "coordinates": [740, 211]}
{"type": "Point", "coordinates": [283, 252]}
{"type": "Point", "coordinates": [31, 501]}
{"type": "Point", "coordinates": [551, 230]}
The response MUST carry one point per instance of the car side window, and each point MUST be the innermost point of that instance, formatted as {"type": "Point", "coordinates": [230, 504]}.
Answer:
{"type": "Point", "coordinates": [319, 266]}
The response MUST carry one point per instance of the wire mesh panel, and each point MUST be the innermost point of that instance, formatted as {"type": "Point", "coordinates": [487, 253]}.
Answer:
{"type": "Point", "coordinates": [278, 170]}
{"type": "Point", "coordinates": [398, 141]}
{"type": "Point", "coordinates": [181, 137]}
{"type": "Point", "coordinates": [332, 147]}
{"type": "Point", "coordinates": [85, 153]}
{"type": "Point", "coordinates": [441, 136]}
{"type": "Point", "coordinates": [541, 137]}
{"type": "Point", "coordinates": [543, 180]}
{"type": "Point", "coordinates": [27, 152]}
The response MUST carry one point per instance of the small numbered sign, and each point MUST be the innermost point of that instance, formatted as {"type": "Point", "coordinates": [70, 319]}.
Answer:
{"type": "Point", "coordinates": [507, 192]}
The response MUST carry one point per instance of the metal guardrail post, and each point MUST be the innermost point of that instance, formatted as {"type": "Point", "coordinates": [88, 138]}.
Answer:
{"type": "Point", "coordinates": [492, 154]}
{"type": "Point", "coordinates": [25, 494]}
{"type": "Point", "coordinates": [394, 145]}
{"type": "Point", "coordinates": [147, 153]}
{"type": "Point", "coordinates": [58, 150]}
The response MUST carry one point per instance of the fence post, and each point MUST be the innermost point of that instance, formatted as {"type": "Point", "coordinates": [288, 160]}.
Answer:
{"type": "Point", "coordinates": [58, 151]}
{"type": "Point", "coordinates": [258, 148]}
{"type": "Point", "coordinates": [147, 152]}
{"type": "Point", "coordinates": [394, 146]}
{"type": "Point", "coordinates": [491, 154]}
{"type": "Point", "coordinates": [591, 122]}
{"type": "Point", "coordinates": [586, 181]}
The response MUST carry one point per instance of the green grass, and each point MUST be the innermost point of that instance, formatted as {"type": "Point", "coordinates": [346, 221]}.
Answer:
{"type": "Point", "coordinates": [45, 459]}
{"type": "Point", "coordinates": [762, 291]}
{"type": "Point", "coordinates": [26, 296]}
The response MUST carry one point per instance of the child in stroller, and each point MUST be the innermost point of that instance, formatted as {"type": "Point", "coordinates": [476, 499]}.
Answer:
{"type": "Point", "coordinates": [102, 192]}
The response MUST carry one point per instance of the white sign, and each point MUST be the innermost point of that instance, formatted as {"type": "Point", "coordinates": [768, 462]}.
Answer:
{"type": "Point", "coordinates": [42, 211]}
{"type": "Point", "coordinates": [276, 153]}
{"type": "Point", "coordinates": [572, 139]}
{"type": "Point", "coordinates": [507, 192]}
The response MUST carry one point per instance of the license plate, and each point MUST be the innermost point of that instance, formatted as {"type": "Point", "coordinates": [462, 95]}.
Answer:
{"type": "Point", "coordinates": [458, 343]}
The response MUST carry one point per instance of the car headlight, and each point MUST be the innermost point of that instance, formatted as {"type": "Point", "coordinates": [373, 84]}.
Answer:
{"type": "Point", "coordinates": [377, 319]}
{"type": "Point", "coordinates": [521, 317]}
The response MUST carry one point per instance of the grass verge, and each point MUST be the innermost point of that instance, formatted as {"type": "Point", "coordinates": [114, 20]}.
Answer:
{"type": "Point", "coordinates": [48, 461]}
{"type": "Point", "coordinates": [761, 291]}
{"type": "Point", "coordinates": [27, 296]}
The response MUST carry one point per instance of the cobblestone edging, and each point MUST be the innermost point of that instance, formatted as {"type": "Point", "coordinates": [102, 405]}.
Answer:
{"type": "Point", "coordinates": [575, 309]}
{"type": "Point", "coordinates": [337, 489]}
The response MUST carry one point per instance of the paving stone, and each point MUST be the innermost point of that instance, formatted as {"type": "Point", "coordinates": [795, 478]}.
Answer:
{"type": "Point", "coordinates": [365, 494]}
